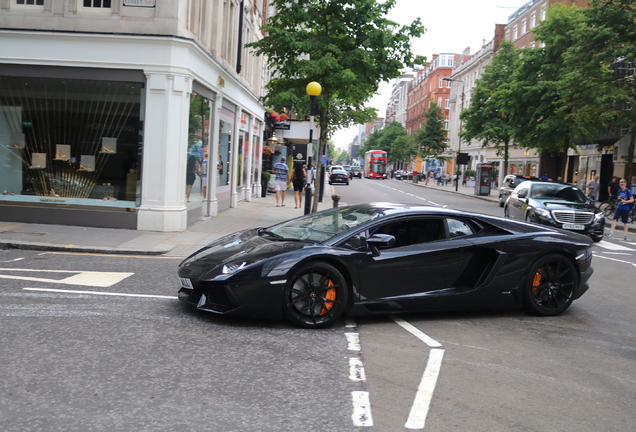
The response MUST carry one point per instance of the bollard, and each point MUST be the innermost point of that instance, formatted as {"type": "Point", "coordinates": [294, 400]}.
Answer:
{"type": "Point", "coordinates": [335, 199]}
{"type": "Point", "coordinates": [307, 199]}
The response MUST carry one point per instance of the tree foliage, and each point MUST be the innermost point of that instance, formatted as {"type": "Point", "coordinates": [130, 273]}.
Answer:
{"type": "Point", "coordinates": [348, 46]}
{"type": "Point", "coordinates": [598, 86]}
{"type": "Point", "coordinates": [394, 140]}
{"type": "Point", "coordinates": [432, 138]}
{"type": "Point", "coordinates": [489, 117]}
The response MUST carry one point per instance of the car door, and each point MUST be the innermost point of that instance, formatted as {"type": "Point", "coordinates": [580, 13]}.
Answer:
{"type": "Point", "coordinates": [415, 273]}
{"type": "Point", "coordinates": [518, 202]}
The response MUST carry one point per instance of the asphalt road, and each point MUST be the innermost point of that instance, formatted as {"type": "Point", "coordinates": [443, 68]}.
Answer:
{"type": "Point", "coordinates": [93, 342]}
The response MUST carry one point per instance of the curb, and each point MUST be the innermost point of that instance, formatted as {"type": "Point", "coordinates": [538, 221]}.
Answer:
{"type": "Point", "coordinates": [81, 249]}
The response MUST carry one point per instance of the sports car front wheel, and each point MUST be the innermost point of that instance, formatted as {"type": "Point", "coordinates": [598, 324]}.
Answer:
{"type": "Point", "coordinates": [550, 286]}
{"type": "Point", "coordinates": [315, 295]}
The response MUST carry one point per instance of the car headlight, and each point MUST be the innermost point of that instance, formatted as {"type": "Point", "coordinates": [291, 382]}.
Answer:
{"type": "Point", "coordinates": [234, 267]}
{"type": "Point", "coordinates": [598, 216]}
{"type": "Point", "coordinates": [542, 212]}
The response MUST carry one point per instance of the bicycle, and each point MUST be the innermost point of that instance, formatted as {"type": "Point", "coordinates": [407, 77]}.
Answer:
{"type": "Point", "coordinates": [608, 207]}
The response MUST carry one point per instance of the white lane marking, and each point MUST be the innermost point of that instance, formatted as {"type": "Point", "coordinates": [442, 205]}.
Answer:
{"type": "Point", "coordinates": [417, 333]}
{"type": "Point", "coordinates": [101, 293]}
{"type": "Point", "coordinates": [14, 260]}
{"type": "Point", "coordinates": [612, 246]}
{"type": "Point", "coordinates": [614, 259]}
{"type": "Point", "coordinates": [356, 370]}
{"type": "Point", "coordinates": [615, 253]}
{"type": "Point", "coordinates": [424, 395]}
{"type": "Point", "coordinates": [353, 341]}
{"type": "Point", "coordinates": [87, 278]}
{"type": "Point", "coordinates": [361, 409]}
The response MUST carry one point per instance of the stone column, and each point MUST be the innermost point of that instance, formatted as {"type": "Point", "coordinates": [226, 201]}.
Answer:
{"type": "Point", "coordinates": [164, 153]}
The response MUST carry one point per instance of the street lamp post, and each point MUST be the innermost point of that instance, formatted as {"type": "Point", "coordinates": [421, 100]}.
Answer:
{"type": "Point", "coordinates": [313, 90]}
{"type": "Point", "coordinates": [459, 137]}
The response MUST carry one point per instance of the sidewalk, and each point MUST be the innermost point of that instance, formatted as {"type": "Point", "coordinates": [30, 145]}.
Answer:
{"type": "Point", "coordinates": [256, 213]}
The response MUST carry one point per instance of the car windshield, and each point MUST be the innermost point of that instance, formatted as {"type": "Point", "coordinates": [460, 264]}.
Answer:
{"type": "Point", "coordinates": [322, 226]}
{"type": "Point", "coordinates": [558, 192]}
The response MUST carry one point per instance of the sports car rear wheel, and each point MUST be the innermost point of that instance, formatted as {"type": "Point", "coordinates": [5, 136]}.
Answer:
{"type": "Point", "coordinates": [550, 286]}
{"type": "Point", "coordinates": [315, 296]}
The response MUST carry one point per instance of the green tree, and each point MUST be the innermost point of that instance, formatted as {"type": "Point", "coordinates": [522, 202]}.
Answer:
{"type": "Point", "coordinates": [343, 158]}
{"type": "Point", "coordinates": [599, 86]}
{"type": "Point", "coordinates": [489, 117]}
{"type": "Point", "coordinates": [432, 138]}
{"type": "Point", "coordinates": [348, 46]}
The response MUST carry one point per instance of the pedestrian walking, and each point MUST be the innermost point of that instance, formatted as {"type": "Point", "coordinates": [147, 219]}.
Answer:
{"type": "Point", "coordinates": [593, 188]}
{"type": "Point", "coordinates": [612, 187]}
{"type": "Point", "coordinates": [281, 170]}
{"type": "Point", "coordinates": [623, 207]}
{"type": "Point", "coordinates": [298, 181]}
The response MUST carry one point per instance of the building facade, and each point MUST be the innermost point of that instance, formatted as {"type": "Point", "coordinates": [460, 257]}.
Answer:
{"type": "Point", "coordinates": [135, 114]}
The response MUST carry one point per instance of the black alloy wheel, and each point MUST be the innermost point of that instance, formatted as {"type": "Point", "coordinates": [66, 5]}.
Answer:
{"type": "Point", "coordinates": [506, 212]}
{"type": "Point", "coordinates": [550, 287]}
{"type": "Point", "coordinates": [316, 295]}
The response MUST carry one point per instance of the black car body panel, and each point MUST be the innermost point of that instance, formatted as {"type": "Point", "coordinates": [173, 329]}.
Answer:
{"type": "Point", "coordinates": [564, 206]}
{"type": "Point", "coordinates": [440, 260]}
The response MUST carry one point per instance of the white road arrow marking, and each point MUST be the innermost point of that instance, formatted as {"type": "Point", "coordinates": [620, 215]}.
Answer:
{"type": "Point", "coordinates": [86, 278]}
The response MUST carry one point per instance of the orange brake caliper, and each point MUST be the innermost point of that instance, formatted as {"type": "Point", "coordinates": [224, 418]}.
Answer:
{"type": "Point", "coordinates": [331, 296]}
{"type": "Point", "coordinates": [536, 282]}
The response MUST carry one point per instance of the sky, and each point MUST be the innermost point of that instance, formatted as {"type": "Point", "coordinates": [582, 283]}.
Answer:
{"type": "Point", "coordinates": [451, 27]}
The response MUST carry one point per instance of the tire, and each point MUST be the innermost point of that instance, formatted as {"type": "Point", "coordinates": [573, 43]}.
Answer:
{"type": "Point", "coordinates": [550, 286]}
{"type": "Point", "coordinates": [506, 213]}
{"type": "Point", "coordinates": [315, 296]}
{"type": "Point", "coordinates": [608, 209]}
{"type": "Point", "coordinates": [501, 202]}
{"type": "Point", "coordinates": [596, 239]}
{"type": "Point", "coordinates": [347, 183]}
{"type": "Point", "coordinates": [529, 218]}
{"type": "Point", "coordinates": [329, 182]}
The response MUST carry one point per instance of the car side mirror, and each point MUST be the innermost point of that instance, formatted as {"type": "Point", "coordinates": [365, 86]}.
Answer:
{"type": "Point", "coordinates": [380, 241]}
{"type": "Point", "coordinates": [522, 195]}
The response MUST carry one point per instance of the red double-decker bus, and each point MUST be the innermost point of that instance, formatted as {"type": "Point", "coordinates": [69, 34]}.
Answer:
{"type": "Point", "coordinates": [375, 162]}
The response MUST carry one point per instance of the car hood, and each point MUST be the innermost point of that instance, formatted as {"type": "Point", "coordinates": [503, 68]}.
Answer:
{"type": "Point", "coordinates": [245, 246]}
{"type": "Point", "coordinates": [561, 205]}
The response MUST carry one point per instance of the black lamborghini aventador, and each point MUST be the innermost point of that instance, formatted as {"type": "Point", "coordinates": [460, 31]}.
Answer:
{"type": "Point", "coordinates": [387, 258]}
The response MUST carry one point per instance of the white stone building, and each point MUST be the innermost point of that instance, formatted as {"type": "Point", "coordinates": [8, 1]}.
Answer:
{"type": "Point", "coordinates": [103, 102]}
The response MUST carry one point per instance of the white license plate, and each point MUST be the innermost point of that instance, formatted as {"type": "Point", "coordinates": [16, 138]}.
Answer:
{"type": "Point", "coordinates": [186, 283]}
{"type": "Point", "coordinates": [573, 226]}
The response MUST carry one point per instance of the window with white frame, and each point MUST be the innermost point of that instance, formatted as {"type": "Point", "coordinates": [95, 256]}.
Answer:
{"type": "Point", "coordinates": [508, 35]}
{"type": "Point", "coordinates": [515, 33]}
{"type": "Point", "coordinates": [544, 11]}
{"type": "Point", "coordinates": [533, 20]}
{"type": "Point", "coordinates": [439, 101]}
{"type": "Point", "coordinates": [523, 27]}
{"type": "Point", "coordinates": [27, 5]}
{"type": "Point", "coordinates": [94, 6]}
{"type": "Point", "coordinates": [447, 106]}
{"type": "Point", "coordinates": [446, 124]}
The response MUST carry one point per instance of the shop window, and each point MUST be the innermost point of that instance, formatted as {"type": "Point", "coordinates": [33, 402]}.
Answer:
{"type": "Point", "coordinates": [70, 141]}
{"type": "Point", "coordinates": [30, 2]}
{"type": "Point", "coordinates": [198, 166]}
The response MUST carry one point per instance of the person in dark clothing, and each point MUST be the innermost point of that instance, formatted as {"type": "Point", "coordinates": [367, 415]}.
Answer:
{"type": "Point", "coordinates": [613, 187]}
{"type": "Point", "coordinates": [298, 181]}
{"type": "Point", "coordinates": [192, 169]}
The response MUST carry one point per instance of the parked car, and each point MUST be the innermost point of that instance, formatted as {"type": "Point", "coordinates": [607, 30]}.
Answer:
{"type": "Point", "coordinates": [356, 171]}
{"type": "Point", "coordinates": [404, 175]}
{"type": "Point", "coordinates": [560, 205]}
{"type": "Point", "coordinates": [349, 170]}
{"type": "Point", "coordinates": [383, 258]}
{"type": "Point", "coordinates": [509, 183]}
{"type": "Point", "coordinates": [339, 176]}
